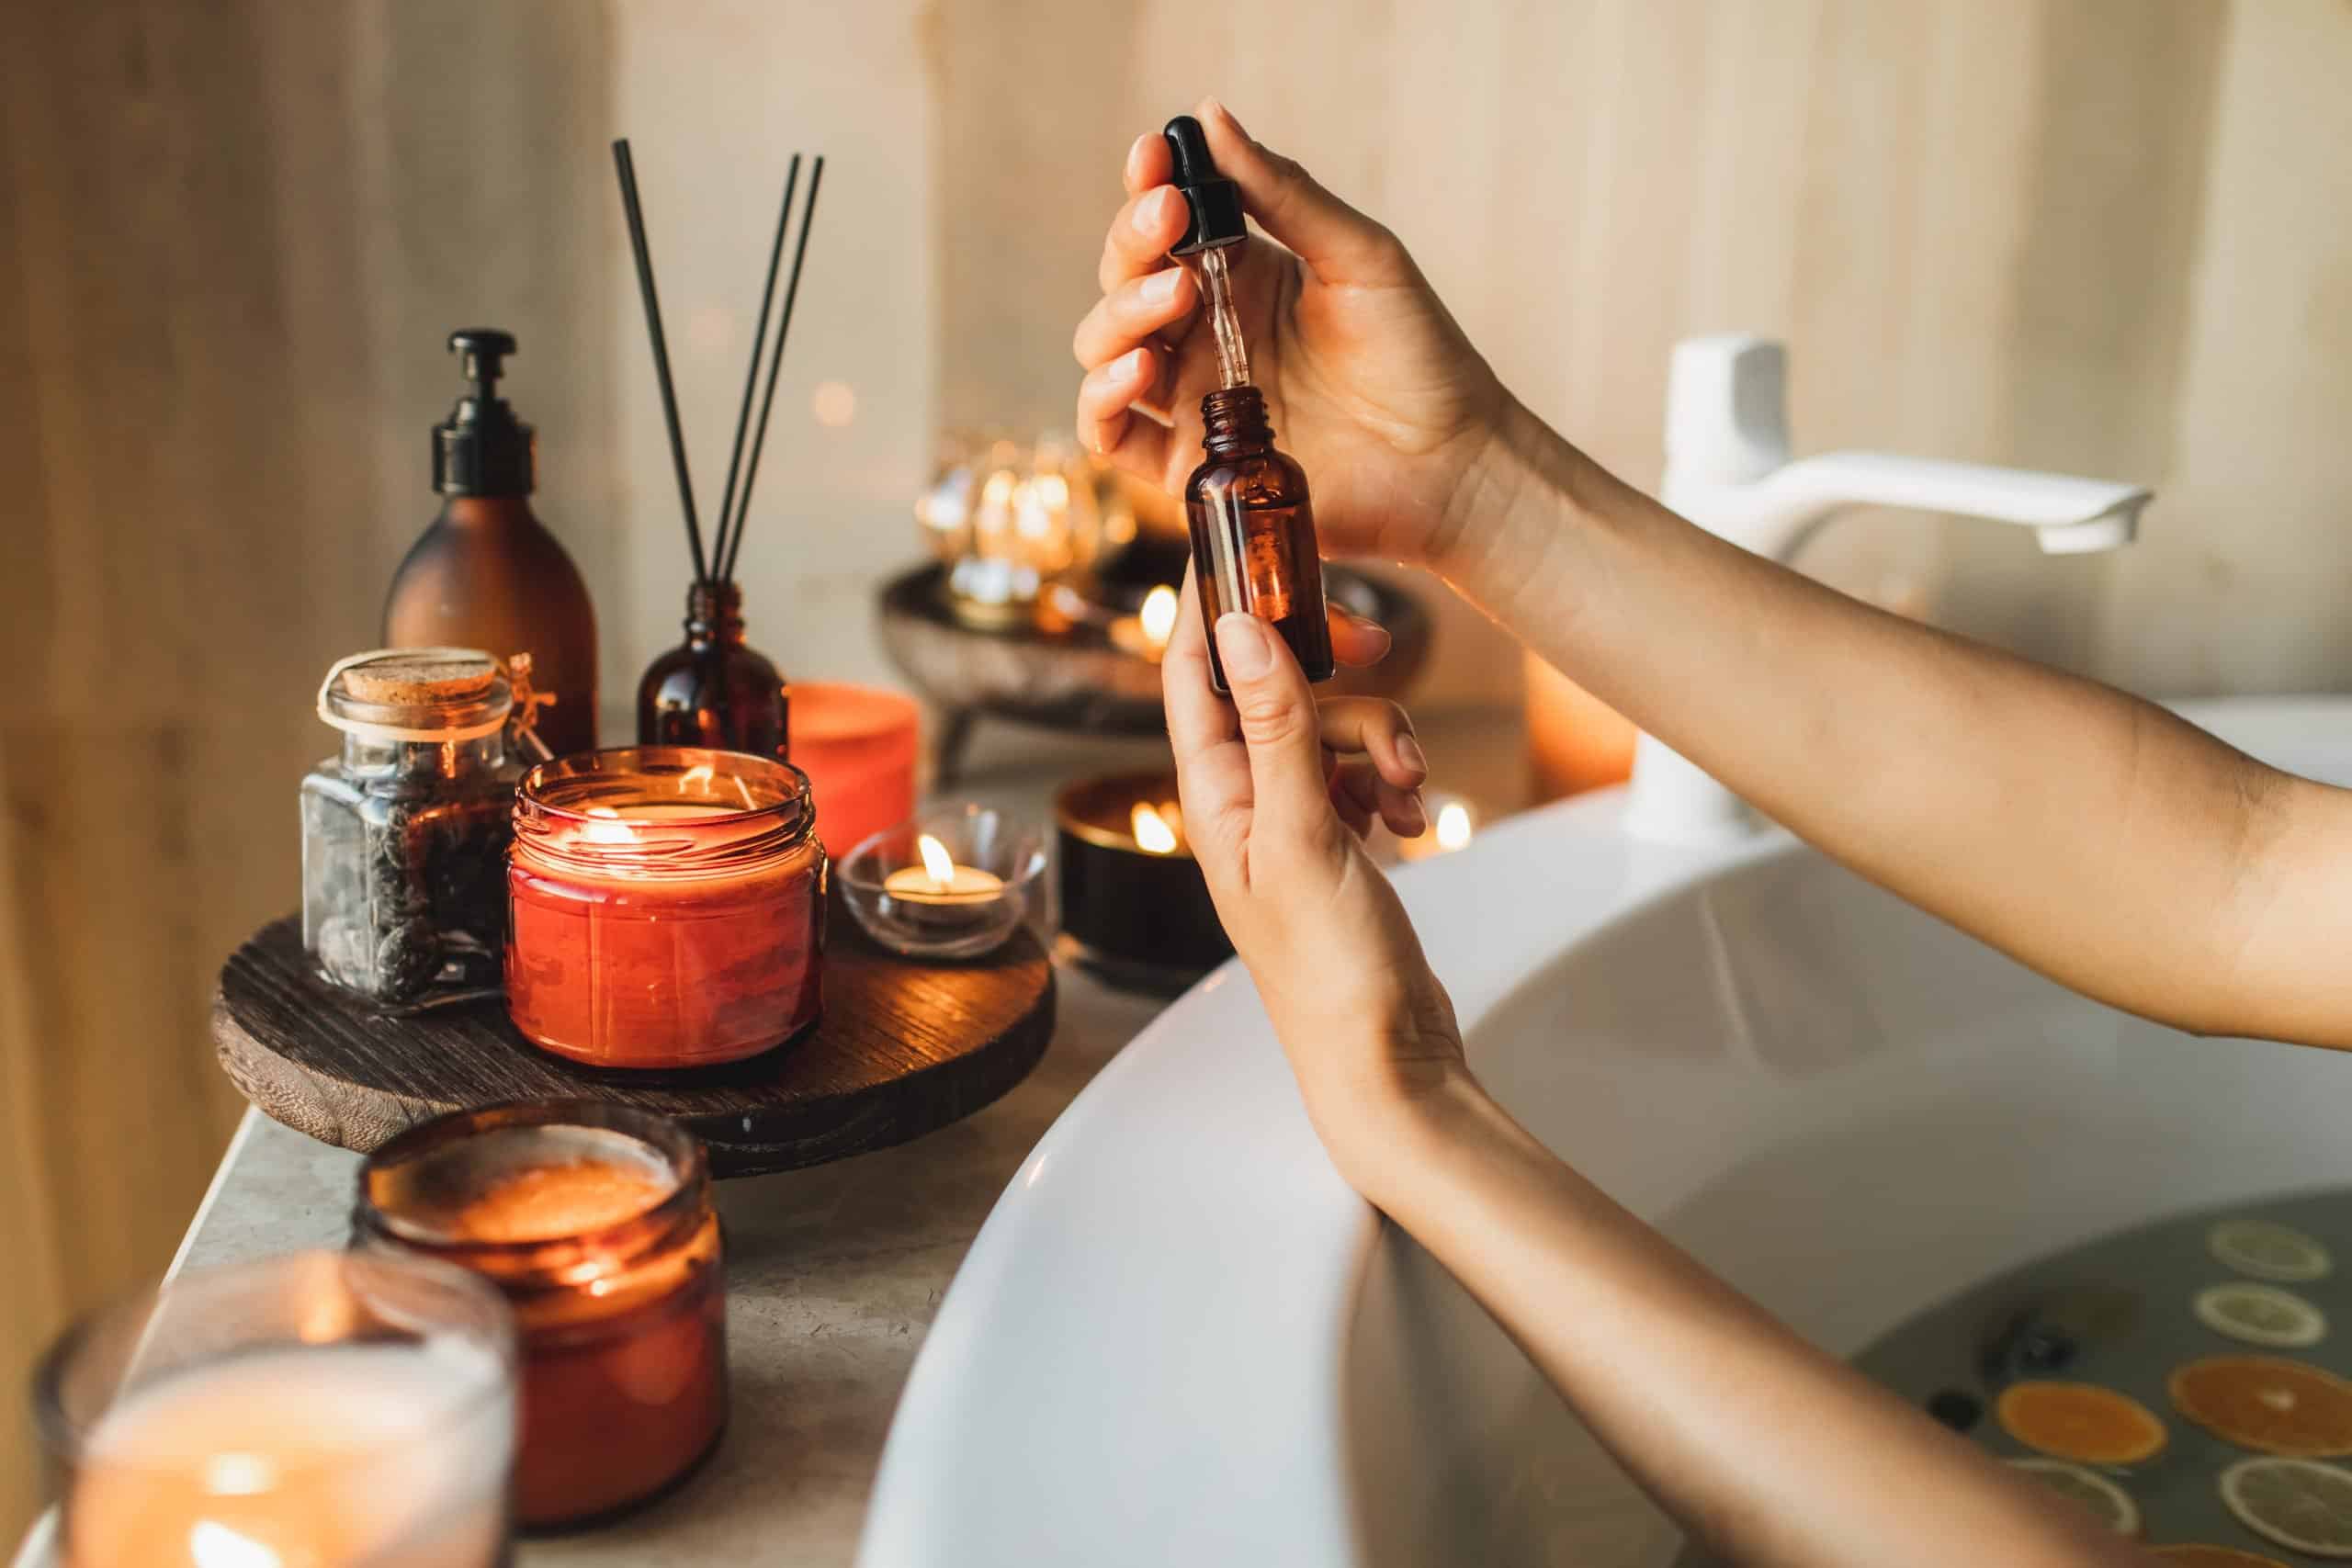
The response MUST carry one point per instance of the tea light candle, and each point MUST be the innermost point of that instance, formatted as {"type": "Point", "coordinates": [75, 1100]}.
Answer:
{"type": "Point", "coordinates": [667, 906]}
{"type": "Point", "coordinates": [1135, 906]}
{"type": "Point", "coordinates": [917, 890]}
{"type": "Point", "coordinates": [939, 882]}
{"type": "Point", "coordinates": [858, 745]}
{"type": "Point", "coordinates": [1453, 821]}
{"type": "Point", "coordinates": [1147, 632]}
{"type": "Point", "coordinates": [335, 1454]}
{"type": "Point", "coordinates": [595, 1222]}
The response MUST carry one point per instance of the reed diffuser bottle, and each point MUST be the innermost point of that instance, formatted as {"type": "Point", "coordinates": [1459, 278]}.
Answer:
{"type": "Point", "coordinates": [1253, 525]}
{"type": "Point", "coordinates": [714, 690]}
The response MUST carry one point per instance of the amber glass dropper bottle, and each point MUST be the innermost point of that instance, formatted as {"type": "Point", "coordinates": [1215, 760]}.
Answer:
{"type": "Point", "coordinates": [1253, 525]}
{"type": "Point", "coordinates": [487, 573]}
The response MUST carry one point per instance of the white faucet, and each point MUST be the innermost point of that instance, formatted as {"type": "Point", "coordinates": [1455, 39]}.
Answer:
{"type": "Point", "coordinates": [1729, 470]}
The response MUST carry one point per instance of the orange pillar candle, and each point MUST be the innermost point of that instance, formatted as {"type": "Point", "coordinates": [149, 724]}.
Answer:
{"type": "Point", "coordinates": [668, 906]}
{"type": "Point", "coordinates": [858, 745]}
{"type": "Point", "coordinates": [595, 1222]}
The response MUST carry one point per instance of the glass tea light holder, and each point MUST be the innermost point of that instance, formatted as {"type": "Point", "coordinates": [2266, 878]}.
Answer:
{"type": "Point", "coordinates": [1135, 908]}
{"type": "Point", "coordinates": [953, 883]}
{"type": "Point", "coordinates": [858, 745]}
{"type": "Point", "coordinates": [316, 1407]}
{"type": "Point", "coordinates": [668, 907]}
{"type": "Point", "coordinates": [594, 1222]}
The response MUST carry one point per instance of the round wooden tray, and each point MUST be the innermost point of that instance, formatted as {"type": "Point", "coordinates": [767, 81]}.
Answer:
{"type": "Point", "coordinates": [903, 1048]}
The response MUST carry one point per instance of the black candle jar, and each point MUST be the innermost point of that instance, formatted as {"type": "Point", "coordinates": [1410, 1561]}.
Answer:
{"type": "Point", "coordinates": [1135, 908]}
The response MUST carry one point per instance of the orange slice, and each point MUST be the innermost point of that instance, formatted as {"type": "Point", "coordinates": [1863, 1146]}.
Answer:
{"type": "Point", "coordinates": [2304, 1506]}
{"type": "Point", "coordinates": [2217, 1557]}
{"type": "Point", "coordinates": [2080, 1421]}
{"type": "Point", "coordinates": [2101, 1496]}
{"type": "Point", "coordinates": [2263, 1403]}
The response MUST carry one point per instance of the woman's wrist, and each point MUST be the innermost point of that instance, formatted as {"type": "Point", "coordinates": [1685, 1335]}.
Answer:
{"type": "Point", "coordinates": [1386, 1138]}
{"type": "Point", "coordinates": [1518, 517]}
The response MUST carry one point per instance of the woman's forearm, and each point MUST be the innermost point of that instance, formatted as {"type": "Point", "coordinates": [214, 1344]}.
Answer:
{"type": "Point", "coordinates": [1755, 1442]}
{"type": "Point", "coordinates": [2084, 831]}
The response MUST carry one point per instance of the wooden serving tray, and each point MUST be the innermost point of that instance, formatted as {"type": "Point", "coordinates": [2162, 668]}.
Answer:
{"type": "Point", "coordinates": [903, 1048]}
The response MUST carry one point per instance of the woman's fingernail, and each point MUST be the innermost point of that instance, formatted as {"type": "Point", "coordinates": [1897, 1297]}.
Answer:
{"type": "Point", "coordinates": [1408, 751]}
{"type": "Point", "coordinates": [1128, 366]}
{"type": "Point", "coordinates": [1217, 107]}
{"type": "Point", "coordinates": [1160, 287]}
{"type": "Point", "coordinates": [1135, 151]}
{"type": "Point", "coordinates": [1417, 813]}
{"type": "Point", "coordinates": [1241, 642]}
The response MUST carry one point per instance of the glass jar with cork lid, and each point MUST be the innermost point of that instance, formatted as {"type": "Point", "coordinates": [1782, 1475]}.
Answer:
{"type": "Point", "coordinates": [405, 834]}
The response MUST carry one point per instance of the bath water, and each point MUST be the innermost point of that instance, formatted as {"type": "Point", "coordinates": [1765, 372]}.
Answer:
{"type": "Point", "coordinates": [2120, 1312]}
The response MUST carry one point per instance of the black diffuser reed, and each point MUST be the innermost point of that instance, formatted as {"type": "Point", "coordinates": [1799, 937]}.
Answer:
{"type": "Point", "coordinates": [713, 689]}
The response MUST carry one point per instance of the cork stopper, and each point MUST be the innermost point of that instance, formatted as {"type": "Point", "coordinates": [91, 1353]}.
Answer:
{"type": "Point", "coordinates": [421, 677]}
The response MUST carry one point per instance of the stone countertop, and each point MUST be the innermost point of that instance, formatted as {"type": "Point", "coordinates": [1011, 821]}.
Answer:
{"type": "Point", "coordinates": [833, 1272]}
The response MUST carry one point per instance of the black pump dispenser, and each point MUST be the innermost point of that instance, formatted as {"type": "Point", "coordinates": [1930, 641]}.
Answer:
{"type": "Point", "coordinates": [1215, 201]}
{"type": "Point", "coordinates": [483, 449]}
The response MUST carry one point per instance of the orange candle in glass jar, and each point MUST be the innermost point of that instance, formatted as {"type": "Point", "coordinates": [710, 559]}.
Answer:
{"type": "Point", "coordinates": [667, 906]}
{"type": "Point", "coordinates": [595, 1222]}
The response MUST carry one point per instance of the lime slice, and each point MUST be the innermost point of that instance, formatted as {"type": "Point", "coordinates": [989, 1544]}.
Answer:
{"type": "Point", "coordinates": [2269, 1251]}
{"type": "Point", "coordinates": [2260, 1314]}
{"type": "Point", "coordinates": [2217, 1557]}
{"type": "Point", "coordinates": [2093, 1491]}
{"type": "Point", "coordinates": [2303, 1504]}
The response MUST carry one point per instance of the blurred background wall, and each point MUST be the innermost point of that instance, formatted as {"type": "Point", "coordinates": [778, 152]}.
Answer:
{"type": "Point", "coordinates": [2107, 236]}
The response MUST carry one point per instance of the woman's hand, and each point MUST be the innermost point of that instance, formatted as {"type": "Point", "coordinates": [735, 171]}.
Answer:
{"type": "Point", "coordinates": [1276, 792]}
{"type": "Point", "coordinates": [1369, 382]}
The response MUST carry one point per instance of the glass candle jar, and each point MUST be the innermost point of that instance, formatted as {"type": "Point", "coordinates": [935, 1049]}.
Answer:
{"type": "Point", "coordinates": [404, 835]}
{"type": "Point", "coordinates": [319, 1407]}
{"type": "Point", "coordinates": [667, 906]}
{"type": "Point", "coordinates": [594, 1221]}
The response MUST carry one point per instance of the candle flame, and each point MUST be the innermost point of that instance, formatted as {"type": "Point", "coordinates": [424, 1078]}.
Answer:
{"type": "Point", "coordinates": [1452, 826]}
{"type": "Point", "coordinates": [1153, 832]}
{"type": "Point", "coordinates": [936, 862]}
{"type": "Point", "coordinates": [608, 828]}
{"type": "Point", "coordinates": [1158, 616]}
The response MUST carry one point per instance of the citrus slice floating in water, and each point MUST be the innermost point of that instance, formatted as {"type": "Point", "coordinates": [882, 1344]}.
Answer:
{"type": "Point", "coordinates": [2217, 1557]}
{"type": "Point", "coordinates": [2097, 1493]}
{"type": "Point", "coordinates": [2304, 1506]}
{"type": "Point", "coordinates": [2260, 1314]}
{"type": "Point", "coordinates": [2269, 1250]}
{"type": "Point", "coordinates": [2080, 1421]}
{"type": "Point", "coordinates": [2266, 1404]}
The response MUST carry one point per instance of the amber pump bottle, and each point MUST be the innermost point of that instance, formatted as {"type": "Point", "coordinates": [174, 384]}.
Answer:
{"type": "Point", "coordinates": [487, 573]}
{"type": "Point", "coordinates": [1252, 525]}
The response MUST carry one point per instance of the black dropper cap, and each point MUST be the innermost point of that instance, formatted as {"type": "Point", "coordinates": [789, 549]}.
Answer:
{"type": "Point", "coordinates": [483, 449]}
{"type": "Point", "coordinates": [1215, 201]}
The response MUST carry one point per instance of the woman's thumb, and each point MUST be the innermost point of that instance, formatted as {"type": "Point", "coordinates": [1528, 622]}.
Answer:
{"type": "Point", "coordinates": [1340, 244]}
{"type": "Point", "coordinates": [1279, 724]}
